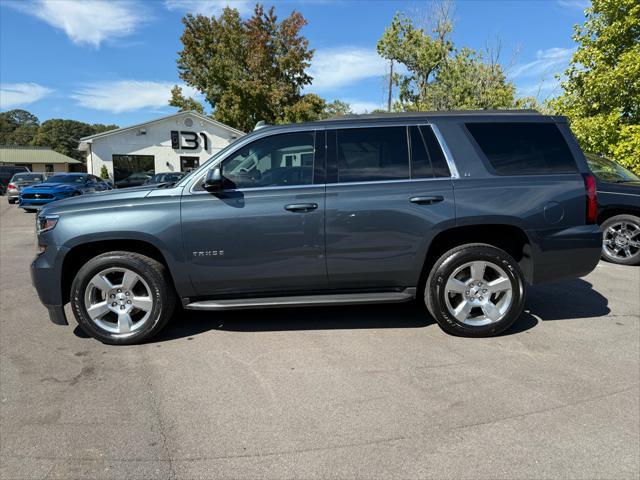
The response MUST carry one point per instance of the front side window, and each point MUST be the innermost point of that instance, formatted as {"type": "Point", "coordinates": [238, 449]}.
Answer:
{"type": "Point", "coordinates": [371, 154]}
{"type": "Point", "coordinates": [523, 148]}
{"type": "Point", "coordinates": [274, 161]}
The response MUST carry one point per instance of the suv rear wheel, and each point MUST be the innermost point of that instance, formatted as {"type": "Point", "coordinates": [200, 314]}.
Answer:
{"type": "Point", "coordinates": [621, 240]}
{"type": "Point", "coordinates": [122, 298]}
{"type": "Point", "coordinates": [475, 290]}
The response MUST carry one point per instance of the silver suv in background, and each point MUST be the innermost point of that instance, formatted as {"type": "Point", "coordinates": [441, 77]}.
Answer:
{"type": "Point", "coordinates": [21, 180]}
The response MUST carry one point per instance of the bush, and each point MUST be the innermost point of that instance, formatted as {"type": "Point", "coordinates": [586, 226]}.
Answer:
{"type": "Point", "coordinates": [627, 150]}
{"type": "Point", "coordinates": [104, 173]}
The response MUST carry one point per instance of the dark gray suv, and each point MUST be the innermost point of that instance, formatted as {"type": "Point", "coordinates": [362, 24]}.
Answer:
{"type": "Point", "coordinates": [460, 209]}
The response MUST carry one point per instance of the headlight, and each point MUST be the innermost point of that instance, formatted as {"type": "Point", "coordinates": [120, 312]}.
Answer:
{"type": "Point", "coordinates": [44, 223]}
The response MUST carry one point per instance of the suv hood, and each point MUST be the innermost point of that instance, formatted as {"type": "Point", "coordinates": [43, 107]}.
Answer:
{"type": "Point", "coordinates": [126, 197]}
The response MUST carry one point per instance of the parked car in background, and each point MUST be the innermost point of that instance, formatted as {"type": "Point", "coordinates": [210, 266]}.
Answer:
{"type": "Point", "coordinates": [345, 211]}
{"type": "Point", "coordinates": [618, 210]}
{"type": "Point", "coordinates": [167, 177]}
{"type": "Point", "coordinates": [6, 172]}
{"type": "Point", "coordinates": [20, 181]}
{"type": "Point", "coordinates": [133, 180]}
{"type": "Point", "coordinates": [59, 186]}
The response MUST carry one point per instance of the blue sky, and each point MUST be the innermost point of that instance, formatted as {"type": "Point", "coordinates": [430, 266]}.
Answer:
{"type": "Point", "coordinates": [114, 61]}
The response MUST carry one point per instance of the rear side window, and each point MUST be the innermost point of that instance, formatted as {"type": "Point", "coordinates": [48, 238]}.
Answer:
{"type": "Point", "coordinates": [427, 159]}
{"type": "Point", "coordinates": [523, 148]}
{"type": "Point", "coordinates": [370, 154]}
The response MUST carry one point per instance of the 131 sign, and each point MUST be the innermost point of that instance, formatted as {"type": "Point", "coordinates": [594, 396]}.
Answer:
{"type": "Point", "coordinates": [183, 140]}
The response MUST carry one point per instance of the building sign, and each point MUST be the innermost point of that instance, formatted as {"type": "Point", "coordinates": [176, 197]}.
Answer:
{"type": "Point", "coordinates": [183, 140]}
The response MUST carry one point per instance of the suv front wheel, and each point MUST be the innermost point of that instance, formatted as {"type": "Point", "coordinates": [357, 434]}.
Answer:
{"type": "Point", "coordinates": [475, 290]}
{"type": "Point", "coordinates": [122, 298]}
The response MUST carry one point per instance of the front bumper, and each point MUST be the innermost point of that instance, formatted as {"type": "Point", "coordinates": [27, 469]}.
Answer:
{"type": "Point", "coordinates": [571, 252]}
{"type": "Point", "coordinates": [46, 277]}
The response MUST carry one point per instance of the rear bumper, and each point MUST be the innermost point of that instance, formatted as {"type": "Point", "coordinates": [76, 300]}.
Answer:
{"type": "Point", "coordinates": [46, 277]}
{"type": "Point", "coordinates": [571, 252]}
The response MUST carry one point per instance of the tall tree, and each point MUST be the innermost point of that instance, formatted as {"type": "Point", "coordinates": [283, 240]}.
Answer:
{"type": "Point", "coordinates": [18, 127]}
{"type": "Point", "coordinates": [63, 135]}
{"type": "Point", "coordinates": [438, 75]}
{"type": "Point", "coordinates": [248, 70]}
{"type": "Point", "coordinates": [602, 84]}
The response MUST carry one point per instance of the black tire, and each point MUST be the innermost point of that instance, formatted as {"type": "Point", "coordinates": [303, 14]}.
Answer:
{"type": "Point", "coordinates": [150, 271]}
{"type": "Point", "coordinates": [633, 225]}
{"type": "Point", "coordinates": [11, 201]}
{"type": "Point", "coordinates": [447, 264]}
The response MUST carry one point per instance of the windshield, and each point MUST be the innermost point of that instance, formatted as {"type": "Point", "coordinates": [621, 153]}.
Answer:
{"type": "Point", "coordinates": [27, 177]}
{"type": "Point", "coordinates": [66, 179]}
{"type": "Point", "coordinates": [608, 170]}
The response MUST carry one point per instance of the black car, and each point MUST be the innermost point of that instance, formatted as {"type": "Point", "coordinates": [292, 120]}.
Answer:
{"type": "Point", "coordinates": [167, 177]}
{"type": "Point", "coordinates": [618, 210]}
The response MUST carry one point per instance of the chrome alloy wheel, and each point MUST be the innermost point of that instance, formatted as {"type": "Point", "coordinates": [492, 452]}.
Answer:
{"type": "Point", "coordinates": [621, 240]}
{"type": "Point", "coordinates": [118, 300]}
{"type": "Point", "coordinates": [478, 293]}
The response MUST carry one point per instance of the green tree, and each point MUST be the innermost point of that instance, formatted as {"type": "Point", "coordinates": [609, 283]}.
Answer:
{"type": "Point", "coordinates": [465, 81]}
{"type": "Point", "coordinates": [247, 70]}
{"type": "Point", "coordinates": [421, 54]}
{"type": "Point", "coordinates": [337, 108]}
{"type": "Point", "coordinates": [184, 103]}
{"type": "Point", "coordinates": [63, 135]}
{"type": "Point", "coordinates": [18, 127]}
{"type": "Point", "coordinates": [602, 84]}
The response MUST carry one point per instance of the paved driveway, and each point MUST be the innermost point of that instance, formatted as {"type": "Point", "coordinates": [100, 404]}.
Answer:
{"type": "Point", "coordinates": [357, 392]}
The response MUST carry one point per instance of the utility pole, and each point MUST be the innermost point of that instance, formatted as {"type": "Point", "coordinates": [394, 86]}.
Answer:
{"type": "Point", "coordinates": [390, 86]}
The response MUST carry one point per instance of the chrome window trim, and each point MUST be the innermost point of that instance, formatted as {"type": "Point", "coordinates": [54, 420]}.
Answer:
{"type": "Point", "coordinates": [323, 185]}
{"type": "Point", "coordinates": [238, 144]}
{"type": "Point", "coordinates": [445, 149]}
{"type": "Point", "coordinates": [618, 193]}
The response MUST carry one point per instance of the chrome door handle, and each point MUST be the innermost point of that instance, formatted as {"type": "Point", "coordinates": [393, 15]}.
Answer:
{"type": "Point", "coordinates": [426, 200]}
{"type": "Point", "coordinates": [301, 207]}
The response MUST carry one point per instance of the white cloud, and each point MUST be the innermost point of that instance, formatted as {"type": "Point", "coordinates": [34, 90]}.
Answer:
{"type": "Point", "coordinates": [577, 4]}
{"type": "Point", "coordinates": [209, 7]}
{"type": "Point", "coordinates": [338, 67]}
{"type": "Point", "coordinates": [15, 94]}
{"type": "Point", "coordinates": [126, 95]}
{"type": "Point", "coordinates": [552, 60]}
{"type": "Point", "coordinates": [89, 22]}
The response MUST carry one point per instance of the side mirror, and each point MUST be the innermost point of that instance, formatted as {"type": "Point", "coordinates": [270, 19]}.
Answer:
{"type": "Point", "coordinates": [214, 181]}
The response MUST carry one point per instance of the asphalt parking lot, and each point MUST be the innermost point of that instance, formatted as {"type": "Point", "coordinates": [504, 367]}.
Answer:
{"type": "Point", "coordinates": [351, 392]}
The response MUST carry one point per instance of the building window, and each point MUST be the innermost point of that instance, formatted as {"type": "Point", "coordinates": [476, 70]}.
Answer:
{"type": "Point", "coordinates": [132, 170]}
{"type": "Point", "coordinates": [189, 163]}
{"type": "Point", "coordinates": [48, 167]}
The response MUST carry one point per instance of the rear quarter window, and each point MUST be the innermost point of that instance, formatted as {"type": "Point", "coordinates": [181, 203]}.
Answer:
{"type": "Point", "coordinates": [523, 148]}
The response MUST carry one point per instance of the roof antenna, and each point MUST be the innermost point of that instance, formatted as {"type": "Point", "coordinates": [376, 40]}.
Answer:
{"type": "Point", "coordinates": [259, 125]}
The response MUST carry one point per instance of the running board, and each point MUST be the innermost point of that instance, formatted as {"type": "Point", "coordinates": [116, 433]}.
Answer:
{"type": "Point", "coordinates": [406, 295]}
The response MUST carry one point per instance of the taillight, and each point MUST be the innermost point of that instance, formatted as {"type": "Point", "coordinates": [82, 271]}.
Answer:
{"type": "Point", "coordinates": [592, 200]}
{"type": "Point", "coordinates": [12, 186]}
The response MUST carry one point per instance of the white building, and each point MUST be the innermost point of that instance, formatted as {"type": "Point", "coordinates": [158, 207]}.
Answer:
{"type": "Point", "coordinates": [176, 143]}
